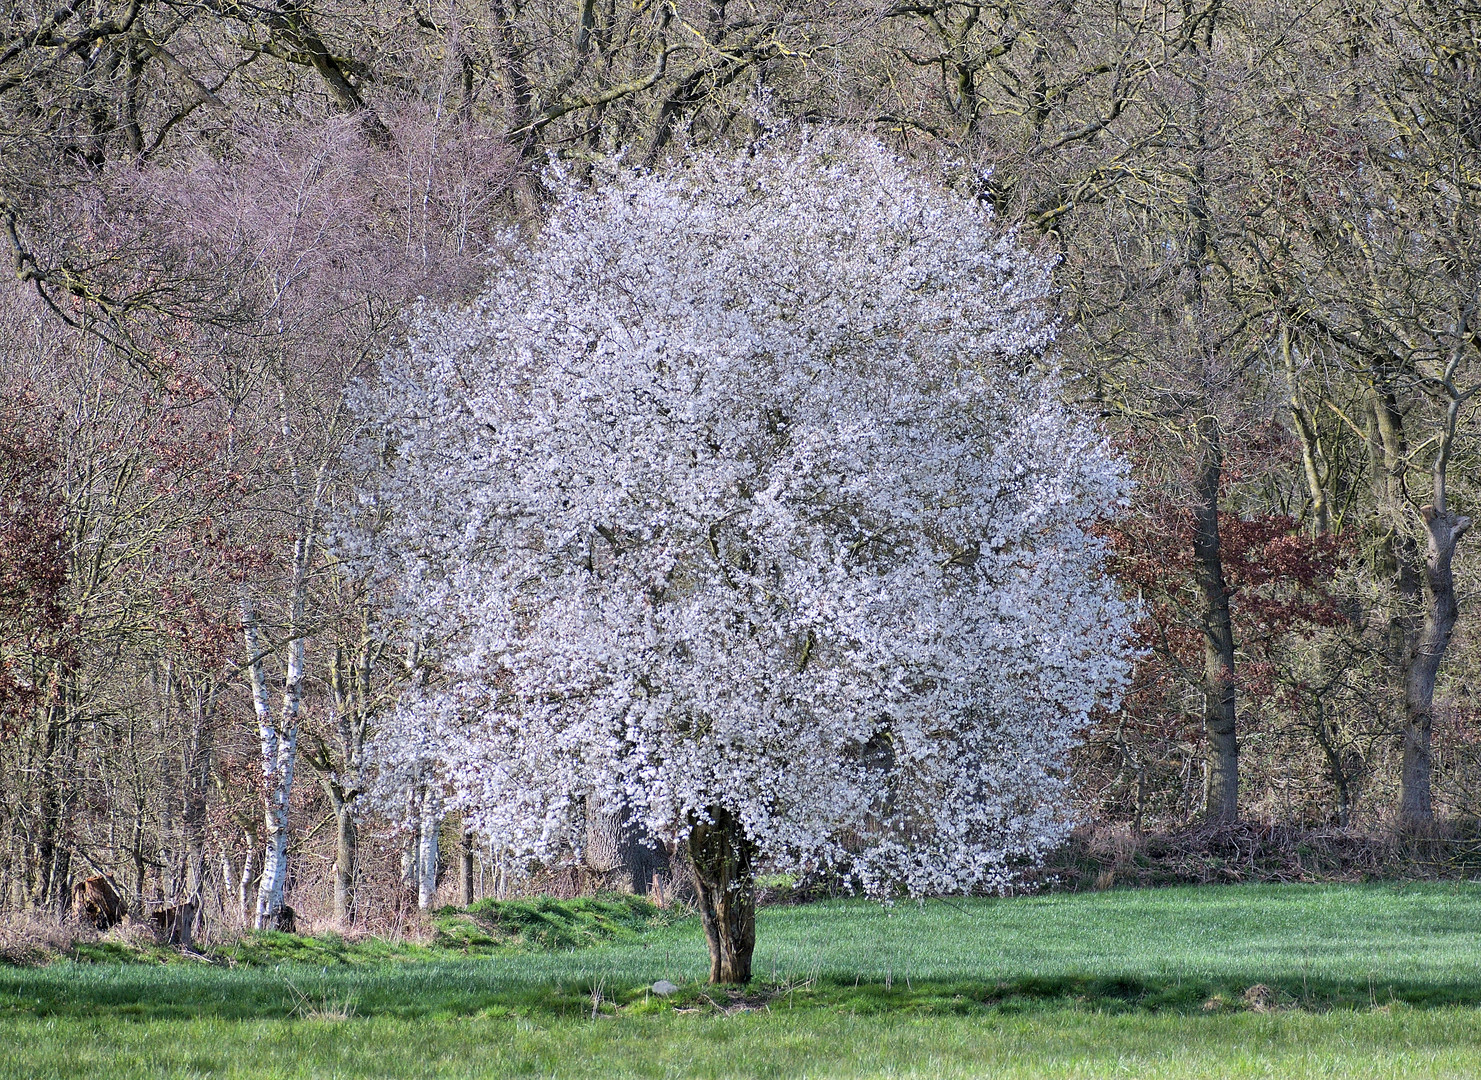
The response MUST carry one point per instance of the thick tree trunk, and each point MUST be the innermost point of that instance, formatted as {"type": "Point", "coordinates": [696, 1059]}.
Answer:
{"type": "Point", "coordinates": [606, 835]}
{"type": "Point", "coordinates": [629, 857]}
{"type": "Point", "coordinates": [1409, 628]}
{"type": "Point", "coordinates": [720, 853]}
{"type": "Point", "coordinates": [1219, 713]}
{"type": "Point", "coordinates": [1444, 529]}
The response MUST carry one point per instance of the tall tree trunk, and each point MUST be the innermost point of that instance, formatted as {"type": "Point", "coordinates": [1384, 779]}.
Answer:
{"type": "Point", "coordinates": [196, 769]}
{"type": "Point", "coordinates": [1399, 562]}
{"type": "Point", "coordinates": [340, 773]}
{"type": "Point", "coordinates": [465, 895]}
{"type": "Point", "coordinates": [344, 862]}
{"type": "Point", "coordinates": [428, 824]}
{"type": "Point", "coordinates": [53, 852]}
{"type": "Point", "coordinates": [279, 749]}
{"type": "Point", "coordinates": [1219, 713]}
{"type": "Point", "coordinates": [279, 743]}
{"type": "Point", "coordinates": [721, 854]}
{"type": "Point", "coordinates": [1444, 529]}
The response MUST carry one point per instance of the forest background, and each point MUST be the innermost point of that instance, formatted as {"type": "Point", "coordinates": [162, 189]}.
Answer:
{"type": "Point", "coordinates": [1265, 232]}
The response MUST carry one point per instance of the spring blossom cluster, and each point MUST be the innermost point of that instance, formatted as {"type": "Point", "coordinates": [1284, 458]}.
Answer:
{"type": "Point", "coordinates": [741, 489]}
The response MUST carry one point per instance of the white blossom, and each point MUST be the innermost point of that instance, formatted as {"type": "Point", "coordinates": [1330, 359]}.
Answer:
{"type": "Point", "coordinates": [740, 489]}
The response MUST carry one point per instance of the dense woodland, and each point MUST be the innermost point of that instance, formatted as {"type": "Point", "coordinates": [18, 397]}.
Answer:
{"type": "Point", "coordinates": [1267, 268]}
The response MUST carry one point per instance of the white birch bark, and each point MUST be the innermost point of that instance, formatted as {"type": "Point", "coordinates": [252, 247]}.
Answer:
{"type": "Point", "coordinates": [413, 836]}
{"type": "Point", "coordinates": [278, 745]}
{"type": "Point", "coordinates": [428, 824]}
{"type": "Point", "coordinates": [278, 742]}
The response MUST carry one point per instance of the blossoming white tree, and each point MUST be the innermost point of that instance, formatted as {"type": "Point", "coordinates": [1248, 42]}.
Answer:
{"type": "Point", "coordinates": [735, 501]}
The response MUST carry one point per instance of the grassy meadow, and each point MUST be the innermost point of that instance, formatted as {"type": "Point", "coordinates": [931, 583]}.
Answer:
{"type": "Point", "coordinates": [1278, 981]}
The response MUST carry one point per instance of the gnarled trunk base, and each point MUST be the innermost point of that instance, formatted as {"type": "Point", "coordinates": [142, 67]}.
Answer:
{"type": "Point", "coordinates": [721, 854]}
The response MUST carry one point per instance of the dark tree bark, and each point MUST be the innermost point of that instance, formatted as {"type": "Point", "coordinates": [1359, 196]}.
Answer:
{"type": "Point", "coordinates": [628, 857]}
{"type": "Point", "coordinates": [196, 776]}
{"type": "Point", "coordinates": [344, 862]}
{"type": "Point", "coordinates": [339, 769]}
{"type": "Point", "coordinates": [1399, 562]}
{"type": "Point", "coordinates": [466, 878]}
{"type": "Point", "coordinates": [721, 855]}
{"type": "Point", "coordinates": [1219, 707]}
{"type": "Point", "coordinates": [1444, 529]}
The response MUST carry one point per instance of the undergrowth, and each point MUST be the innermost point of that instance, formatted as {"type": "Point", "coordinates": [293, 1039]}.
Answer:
{"type": "Point", "coordinates": [488, 928]}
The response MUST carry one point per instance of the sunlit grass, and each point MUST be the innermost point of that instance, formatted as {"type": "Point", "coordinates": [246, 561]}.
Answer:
{"type": "Point", "coordinates": [1351, 981]}
{"type": "Point", "coordinates": [1061, 1042]}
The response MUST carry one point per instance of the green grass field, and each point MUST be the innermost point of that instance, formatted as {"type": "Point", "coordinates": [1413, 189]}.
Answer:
{"type": "Point", "coordinates": [1348, 981]}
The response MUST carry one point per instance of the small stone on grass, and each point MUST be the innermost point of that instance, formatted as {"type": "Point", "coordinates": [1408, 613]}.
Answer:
{"type": "Point", "coordinates": [663, 988]}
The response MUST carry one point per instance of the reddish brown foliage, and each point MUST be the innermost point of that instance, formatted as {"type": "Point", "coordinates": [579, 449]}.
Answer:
{"type": "Point", "coordinates": [1279, 582]}
{"type": "Point", "coordinates": [1281, 588]}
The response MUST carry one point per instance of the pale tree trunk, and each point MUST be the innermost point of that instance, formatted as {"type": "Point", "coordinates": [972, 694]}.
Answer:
{"type": "Point", "coordinates": [228, 881]}
{"type": "Point", "coordinates": [721, 855]}
{"type": "Point", "coordinates": [412, 840]}
{"type": "Point", "coordinates": [278, 743]}
{"type": "Point", "coordinates": [606, 835]}
{"type": "Point", "coordinates": [249, 878]}
{"type": "Point", "coordinates": [428, 825]}
{"type": "Point", "coordinates": [1307, 435]}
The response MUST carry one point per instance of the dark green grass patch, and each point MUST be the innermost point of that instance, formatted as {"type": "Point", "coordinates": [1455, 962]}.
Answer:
{"type": "Point", "coordinates": [488, 928]}
{"type": "Point", "coordinates": [549, 924]}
